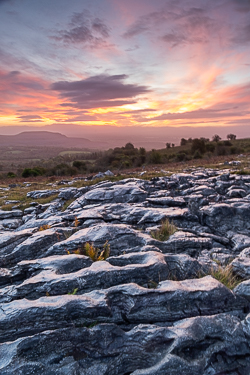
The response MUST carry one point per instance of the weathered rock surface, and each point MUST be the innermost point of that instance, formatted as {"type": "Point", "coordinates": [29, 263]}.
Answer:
{"type": "Point", "coordinates": [201, 345]}
{"type": "Point", "coordinates": [151, 306]}
{"type": "Point", "coordinates": [130, 303]}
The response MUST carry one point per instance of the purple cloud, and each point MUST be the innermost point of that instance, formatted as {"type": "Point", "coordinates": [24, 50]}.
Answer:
{"type": "Point", "coordinates": [176, 26]}
{"type": "Point", "coordinates": [30, 118]}
{"type": "Point", "coordinates": [243, 35]}
{"type": "Point", "coordinates": [242, 5]}
{"type": "Point", "coordinates": [83, 28]}
{"type": "Point", "coordinates": [99, 91]}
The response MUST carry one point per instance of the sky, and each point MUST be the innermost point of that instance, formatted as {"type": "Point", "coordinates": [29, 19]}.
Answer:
{"type": "Point", "coordinates": [125, 63]}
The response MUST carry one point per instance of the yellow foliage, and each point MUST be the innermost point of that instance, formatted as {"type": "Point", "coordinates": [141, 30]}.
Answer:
{"type": "Point", "coordinates": [76, 222]}
{"type": "Point", "coordinates": [44, 227]}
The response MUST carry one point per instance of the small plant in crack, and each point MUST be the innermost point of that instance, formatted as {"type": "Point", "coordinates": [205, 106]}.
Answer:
{"type": "Point", "coordinates": [94, 253]}
{"type": "Point", "coordinates": [152, 284]}
{"type": "Point", "coordinates": [76, 222]}
{"type": "Point", "coordinates": [44, 227]}
{"type": "Point", "coordinates": [73, 292]}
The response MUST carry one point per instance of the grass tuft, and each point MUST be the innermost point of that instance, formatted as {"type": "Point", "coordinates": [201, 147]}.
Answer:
{"type": "Point", "coordinates": [162, 234]}
{"type": "Point", "coordinates": [226, 276]}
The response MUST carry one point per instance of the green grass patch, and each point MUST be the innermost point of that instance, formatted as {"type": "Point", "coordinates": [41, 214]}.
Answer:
{"type": "Point", "coordinates": [21, 196]}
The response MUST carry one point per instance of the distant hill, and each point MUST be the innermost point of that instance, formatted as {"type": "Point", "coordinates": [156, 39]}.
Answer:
{"type": "Point", "coordinates": [48, 139]}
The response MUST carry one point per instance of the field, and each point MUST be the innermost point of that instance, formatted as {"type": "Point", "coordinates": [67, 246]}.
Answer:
{"type": "Point", "coordinates": [59, 162]}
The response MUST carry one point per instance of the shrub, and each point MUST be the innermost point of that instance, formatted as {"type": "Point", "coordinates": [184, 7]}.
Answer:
{"type": "Point", "coordinates": [210, 147]}
{"type": "Point", "coordinates": [33, 172]}
{"type": "Point", "coordinates": [221, 150]}
{"type": "Point", "coordinates": [63, 170]}
{"type": "Point", "coordinates": [11, 174]}
{"type": "Point", "coordinates": [155, 157]}
{"type": "Point", "coordinates": [227, 143]}
{"type": "Point", "coordinates": [197, 155]}
{"type": "Point", "coordinates": [181, 156]}
{"type": "Point", "coordinates": [162, 234]}
{"type": "Point", "coordinates": [80, 165]}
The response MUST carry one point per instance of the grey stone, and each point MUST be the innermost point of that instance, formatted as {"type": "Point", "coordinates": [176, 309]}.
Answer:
{"type": "Point", "coordinates": [120, 237]}
{"type": "Point", "coordinates": [224, 217]}
{"type": "Point", "coordinates": [109, 173]}
{"type": "Point", "coordinates": [37, 194]}
{"type": "Point", "coordinates": [67, 193]}
{"type": "Point", "coordinates": [10, 214]}
{"type": "Point", "coordinates": [30, 248]}
{"type": "Point", "coordinates": [145, 269]}
{"type": "Point", "coordinates": [236, 193]}
{"type": "Point", "coordinates": [201, 345]}
{"type": "Point", "coordinates": [167, 201]}
{"type": "Point", "coordinates": [240, 242]}
{"type": "Point", "coordinates": [241, 267]}
{"type": "Point", "coordinates": [243, 289]}
{"type": "Point", "coordinates": [153, 312]}
{"type": "Point", "coordinates": [129, 303]}
{"type": "Point", "coordinates": [38, 223]}
{"type": "Point", "coordinates": [129, 192]}
{"type": "Point", "coordinates": [11, 223]}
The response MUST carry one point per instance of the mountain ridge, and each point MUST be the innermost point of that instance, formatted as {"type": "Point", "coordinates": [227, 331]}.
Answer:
{"type": "Point", "coordinates": [49, 139]}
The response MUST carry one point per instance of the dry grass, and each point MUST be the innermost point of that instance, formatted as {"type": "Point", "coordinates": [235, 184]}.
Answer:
{"type": "Point", "coordinates": [162, 234]}
{"type": "Point", "coordinates": [226, 276]}
{"type": "Point", "coordinates": [67, 204]}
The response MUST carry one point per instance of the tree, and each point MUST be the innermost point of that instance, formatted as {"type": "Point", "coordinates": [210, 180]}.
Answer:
{"type": "Point", "coordinates": [216, 138]}
{"type": "Point", "coordinates": [173, 144]}
{"type": "Point", "coordinates": [142, 154]}
{"type": "Point", "coordinates": [198, 145]}
{"type": "Point", "coordinates": [231, 137]}
{"type": "Point", "coordinates": [129, 146]}
{"type": "Point", "coordinates": [183, 141]}
{"type": "Point", "coordinates": [168, 145]}
{"type": "Point", "coordinates": [206, 140]}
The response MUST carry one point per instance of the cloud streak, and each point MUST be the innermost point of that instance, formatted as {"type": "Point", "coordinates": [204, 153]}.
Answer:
{"type": "Point", "coordinates": [182, 26]}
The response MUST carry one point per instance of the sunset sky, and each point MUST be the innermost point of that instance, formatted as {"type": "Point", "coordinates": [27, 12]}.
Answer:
{"type": "Point", "coordinates": [125, 62]}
